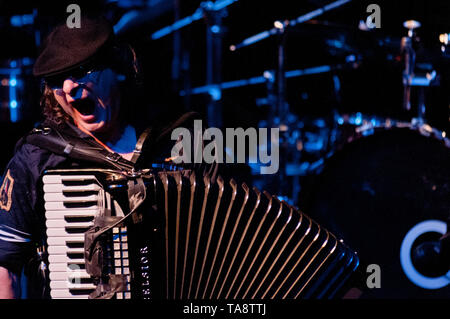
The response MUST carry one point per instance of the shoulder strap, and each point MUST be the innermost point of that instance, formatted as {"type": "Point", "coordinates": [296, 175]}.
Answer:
{"type": "Point", "coordinates": [140, 143]}
{"type": "Point", "coordinates": [49, 138]}
{"type": "Point", "coordinates": [158, 140]}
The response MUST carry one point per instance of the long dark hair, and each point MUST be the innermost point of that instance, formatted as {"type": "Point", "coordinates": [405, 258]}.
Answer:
{"type": "Point", "coordinates": [51, 109]}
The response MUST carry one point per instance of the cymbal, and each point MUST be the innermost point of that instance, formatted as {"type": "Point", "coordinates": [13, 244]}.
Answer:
{"type": "Point", "coordinates": [341, 39]}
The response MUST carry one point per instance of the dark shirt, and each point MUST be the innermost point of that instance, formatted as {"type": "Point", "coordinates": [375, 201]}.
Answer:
{"type": "Point", "coordinates": [22, 220]}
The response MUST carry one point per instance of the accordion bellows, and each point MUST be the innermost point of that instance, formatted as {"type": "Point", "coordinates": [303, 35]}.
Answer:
{"type": "Point", "coordinates": [199, 239]}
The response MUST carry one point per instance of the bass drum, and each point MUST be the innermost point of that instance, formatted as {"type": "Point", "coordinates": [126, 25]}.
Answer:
{"type": "Point", "coordinates": [384, 194]}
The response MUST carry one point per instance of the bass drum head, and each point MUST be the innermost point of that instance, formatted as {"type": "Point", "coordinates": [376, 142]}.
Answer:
{"type": "Point", "coordinates": [384, 194]}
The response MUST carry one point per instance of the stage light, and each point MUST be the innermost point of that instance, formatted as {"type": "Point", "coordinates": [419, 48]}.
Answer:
{"type": "Point", "coordinates": [443, 38]}
{"type": "Point", "coordinates": [279, 25]}
{"type": "Point", "coordinates": [215, 29]}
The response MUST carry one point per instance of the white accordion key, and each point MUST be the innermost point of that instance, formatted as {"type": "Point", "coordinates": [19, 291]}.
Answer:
{"type": "Point", "coordinates": [70, 214]}
{"type": "Point", "coordinates": [62, 232]}
{"type": "Point", "coordinates": [71, 204]}
{"type": "Point", "coordinates": [56, 223]}
{"type": "Point", "coordinates": [60, 179]}
{"type": "Point", "coordinates": [69, 274]}
{"type": "Point", "coordinates": [64, 205]}
{"type": "Point", "coordinates": [65, 240]}
{"type": "Point", "coordinates": [71, 285]}
{"type": "Point", "coordinates": [55, 188]}
{"type": "Point", "coordinates": [63, 250]}
{"type": "Point", "coordinates": [63, 197]}
{"type": "Point", "coordinates": [64, 258]}
{"type": "Point", "coordinates": [64, 267]}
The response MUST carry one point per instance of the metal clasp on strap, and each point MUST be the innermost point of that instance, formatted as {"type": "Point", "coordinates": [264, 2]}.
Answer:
{"type": "Point", "coordinates": [113, 157]}
{"type": "Point", "coordinates": [44, 130]}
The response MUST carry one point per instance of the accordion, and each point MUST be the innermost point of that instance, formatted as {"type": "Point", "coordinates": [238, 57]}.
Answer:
{"type": "Point", "coordinates": [188, 238]}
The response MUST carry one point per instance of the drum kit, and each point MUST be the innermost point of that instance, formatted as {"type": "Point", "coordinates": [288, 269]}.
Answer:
{"type": "Point", "coordinates": [379, 181]}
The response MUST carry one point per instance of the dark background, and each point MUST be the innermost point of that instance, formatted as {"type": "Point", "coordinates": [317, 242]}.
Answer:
{"type": "Point", "coordinates": [372, 87]}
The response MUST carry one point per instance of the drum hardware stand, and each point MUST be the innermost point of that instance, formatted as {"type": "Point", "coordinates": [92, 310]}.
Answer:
{"type": "Point", "coordinates": [179, 68]}
{"type": "Point", "coordinates": [444, 40]}
{"type": "Point", "coordinates": [410, 57]}
{"type": "Point", "coordinates": [279, 30]}
{"type": "Point", "coordinates": [268, 75]}
{"type": "Point", "coordinates": [287, 23]}
{"type": "Point", "coordinates": [411, 79]}
{"type": "Point", "coordinates": [213, 12]}
{"type": "Point", "coordinates": [281, 109]}
{"type": "Point", "coordinates": [198, 14]}
{"type": "Point", "coordinates": [271, 96]}
{"type": "Point", "coordinates": [214, 33]}
{"type": "Point", "coordinates": [422, 81]}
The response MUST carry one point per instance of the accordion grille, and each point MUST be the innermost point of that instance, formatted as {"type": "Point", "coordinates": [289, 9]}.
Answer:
{"type": "Point", "coordinates": [191, 238]}
{"type": "Point", "coordinates": [223, 240]}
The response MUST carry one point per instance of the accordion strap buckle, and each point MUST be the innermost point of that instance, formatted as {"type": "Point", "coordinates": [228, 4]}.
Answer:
{"type": "Point", "coordinates": [45, 130]}
{"type": "Point", "coordinates": [114, 157]}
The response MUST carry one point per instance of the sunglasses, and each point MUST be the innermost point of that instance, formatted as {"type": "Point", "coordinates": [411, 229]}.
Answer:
{"type": "Point", "coordinates": [88, 72]}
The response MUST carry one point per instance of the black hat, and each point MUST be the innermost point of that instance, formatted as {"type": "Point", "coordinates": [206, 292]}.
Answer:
{"type": "Point", "coordinates": [66, 48]}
